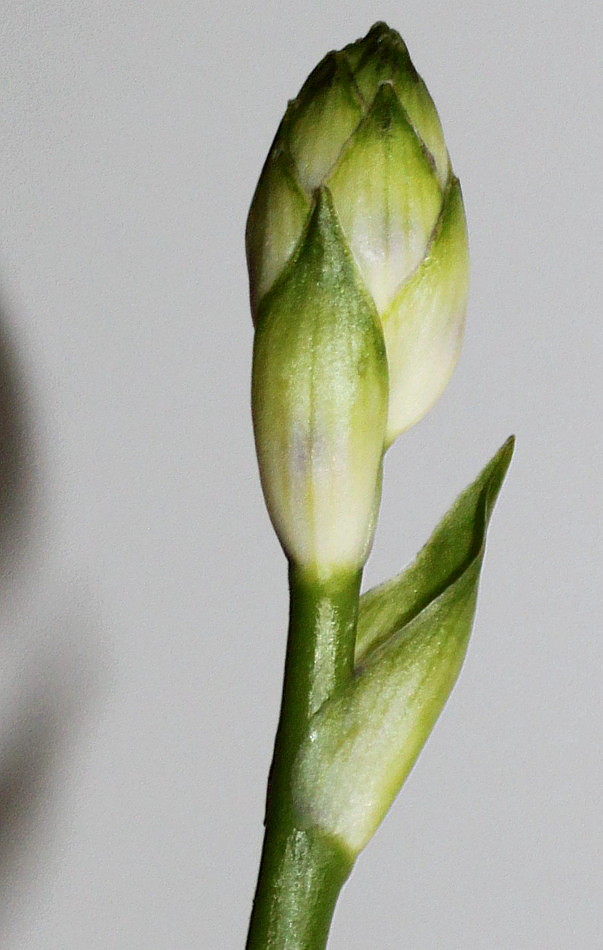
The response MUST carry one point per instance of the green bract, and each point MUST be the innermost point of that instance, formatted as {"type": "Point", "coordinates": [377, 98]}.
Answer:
{"type": "Point", "coordinates": [364, 127]}
{"type": "Point", "coordinates": [411, 642]}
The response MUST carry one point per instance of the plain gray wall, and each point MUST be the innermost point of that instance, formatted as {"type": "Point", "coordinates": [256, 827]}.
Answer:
{"type": "Point", "coordinates": [143, 596]}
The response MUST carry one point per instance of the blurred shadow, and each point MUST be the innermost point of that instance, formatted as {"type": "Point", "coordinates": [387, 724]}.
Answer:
{"type": "Point", "coordinates": [16, 453]}
{"type": "Point", "coordinates": [41, 704]}
{"type": "Point", "coordinates": [45, 674]}
{"type": "Point", "coordinates": [24, 764]}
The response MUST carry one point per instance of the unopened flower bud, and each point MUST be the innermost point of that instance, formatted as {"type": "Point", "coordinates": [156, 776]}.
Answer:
{"type": "Point", "coordinates": [319, 399]}
{"type": "Point", "coordinates": [364, 126]}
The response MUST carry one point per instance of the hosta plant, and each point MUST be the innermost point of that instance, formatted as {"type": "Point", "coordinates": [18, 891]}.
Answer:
{"type": "Point", "coordinates": [358, 263]}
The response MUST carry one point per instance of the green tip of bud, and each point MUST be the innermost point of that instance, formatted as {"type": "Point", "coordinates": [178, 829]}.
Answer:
{"type": "Point", "coordinates": [381, 55]}
{"type": "Point", "coordinates": [381, 31]}
{"type": "Point", "coordinates": [319, 399]}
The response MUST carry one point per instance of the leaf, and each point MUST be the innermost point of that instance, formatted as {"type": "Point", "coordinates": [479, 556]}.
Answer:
{"type": "Point", "coordinates": [457, 541]}
{"type": "Point", "coordinates": [412, 638]}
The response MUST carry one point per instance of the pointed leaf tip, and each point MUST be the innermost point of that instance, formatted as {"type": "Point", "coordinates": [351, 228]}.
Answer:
{"type": "Point", "coordinates": [455, 545]}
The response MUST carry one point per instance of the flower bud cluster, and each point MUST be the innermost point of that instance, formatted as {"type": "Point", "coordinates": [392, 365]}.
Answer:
{"type": "Point", "coordinates": [360, 167]}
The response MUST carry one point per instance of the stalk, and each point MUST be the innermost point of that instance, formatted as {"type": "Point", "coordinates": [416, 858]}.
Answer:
{"type": "Point", "coordinates": [303, 870]}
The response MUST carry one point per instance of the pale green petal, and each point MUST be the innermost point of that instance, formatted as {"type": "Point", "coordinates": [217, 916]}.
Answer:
{"type": "Point", "coordinates": [275, 224]}
{"type": "Point", "coordinates": [321, 120]}
{"type": "Point", "coordinates": [320, 402]}
{"type": "Point", "coordinates": [385, 58]}
{"type": "Point", "coordinates": [387, 197]}
{"type": "Point", "coordinates": [424, 325]}
{"type": "Point", "coordinates": [421, 111]}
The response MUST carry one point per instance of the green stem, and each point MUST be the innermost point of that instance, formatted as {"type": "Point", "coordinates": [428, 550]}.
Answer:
{"type": "Point", "coordinates": [302, 871]}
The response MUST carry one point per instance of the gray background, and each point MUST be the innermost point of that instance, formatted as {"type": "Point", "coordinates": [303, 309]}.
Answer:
{"type": "Point", "coordinates": [143, 594]}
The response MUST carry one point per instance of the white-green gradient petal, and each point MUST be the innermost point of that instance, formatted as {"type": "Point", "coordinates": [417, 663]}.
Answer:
{"type": "Point", "coordinates": [322, 119]}
{"type": "Point", "coordinates": [423, 327]}
{"type": "Point", "coordinates": [387, 197]}
{"type": "Point", "coordinates": [276, 221]}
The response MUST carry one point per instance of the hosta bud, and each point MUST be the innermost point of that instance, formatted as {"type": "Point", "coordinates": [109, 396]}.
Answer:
{"type": "Point", "coordinates": [319, 399]}
{"type": "Point", "coordinates": [365, 127]}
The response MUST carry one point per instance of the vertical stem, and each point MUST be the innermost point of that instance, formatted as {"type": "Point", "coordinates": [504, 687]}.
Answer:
{"type": "Point", "coordinates": [302, 871]}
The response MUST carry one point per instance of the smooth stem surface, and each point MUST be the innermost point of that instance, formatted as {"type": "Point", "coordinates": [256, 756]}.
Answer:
{"type": "Point", "coordinates": [302, 871]}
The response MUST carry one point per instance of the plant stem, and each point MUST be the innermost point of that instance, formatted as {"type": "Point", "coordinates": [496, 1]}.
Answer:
{"type": "Point", "coordinates": [302, 870]}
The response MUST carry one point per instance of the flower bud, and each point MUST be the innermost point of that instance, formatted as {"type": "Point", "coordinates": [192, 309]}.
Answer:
{"type": "Point", "coordinates": [364, 126]}
{"type": "Point", "coordinates": [319, 400]}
